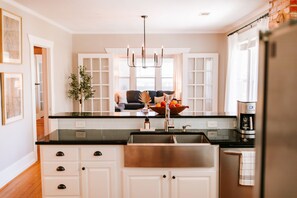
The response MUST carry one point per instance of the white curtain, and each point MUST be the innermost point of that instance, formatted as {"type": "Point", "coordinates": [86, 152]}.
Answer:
{"type": "Point", "coordinates": [231, 79]}
{"type": "Point", "coordinates": [234, 90]}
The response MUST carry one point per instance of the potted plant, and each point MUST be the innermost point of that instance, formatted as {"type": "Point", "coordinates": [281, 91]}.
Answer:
{"type": "Point", "coordinates": [80, 87]}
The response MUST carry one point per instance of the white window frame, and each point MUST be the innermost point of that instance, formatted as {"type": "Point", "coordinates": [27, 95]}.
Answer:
{"type": "Point", "coordinates": [248, 37]}
{"type": "Point", "coordinates": [158, 76]}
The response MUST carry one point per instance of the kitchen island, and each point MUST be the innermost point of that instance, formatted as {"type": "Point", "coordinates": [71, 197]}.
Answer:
{"type": "Point", "coordinates": [84, 156]}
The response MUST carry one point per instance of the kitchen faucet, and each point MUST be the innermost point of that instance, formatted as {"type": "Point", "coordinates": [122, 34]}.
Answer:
{"type": "Point", "coordinates": [167, 123]}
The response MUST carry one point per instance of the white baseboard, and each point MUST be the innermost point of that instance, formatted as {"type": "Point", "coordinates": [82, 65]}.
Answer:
{"type": "Point", "coordinates": [15, 169]}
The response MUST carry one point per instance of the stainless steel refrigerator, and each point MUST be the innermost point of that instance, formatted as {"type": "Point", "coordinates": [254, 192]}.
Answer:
{"type": "Point", "coordinates": [276, 116]}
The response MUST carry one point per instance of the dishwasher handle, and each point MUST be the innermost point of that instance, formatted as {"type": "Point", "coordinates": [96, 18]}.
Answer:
{"type": "Point", "coordinates": [232, 152]}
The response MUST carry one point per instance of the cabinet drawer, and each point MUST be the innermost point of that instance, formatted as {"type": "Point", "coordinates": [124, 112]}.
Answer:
{"type": "Point", "coordinates": [98, 153]}
{"type": "Point", "coordinates": [60, 154]}
{"type": "Point", "coordinates": [60, 168]}
{"type": "Point", "coordinates": [68, 186]}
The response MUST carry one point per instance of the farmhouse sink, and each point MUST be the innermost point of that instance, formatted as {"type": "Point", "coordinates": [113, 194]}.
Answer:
{"type": "Point", "coordinates": [176, 139]}
{"type": "Point", "coordinates": [169, 150]}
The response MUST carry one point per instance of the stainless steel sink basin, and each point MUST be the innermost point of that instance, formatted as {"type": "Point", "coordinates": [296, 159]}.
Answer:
{"type": "Point", "coordinates": [169, 150]}
{"type": "Point", "coordinates": [151, 139]}
{"type": "Point", "coordinates": [192, 139]}
{"type": "Point", "coordinates": [173, 138]}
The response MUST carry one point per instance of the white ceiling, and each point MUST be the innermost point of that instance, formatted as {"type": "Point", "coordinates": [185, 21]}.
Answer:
{"type": "Point", "coordinates": [164, 16]}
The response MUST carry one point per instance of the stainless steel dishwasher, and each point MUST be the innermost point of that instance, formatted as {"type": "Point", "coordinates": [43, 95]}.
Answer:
{"type": "Point", "coordinates": [229, 174]}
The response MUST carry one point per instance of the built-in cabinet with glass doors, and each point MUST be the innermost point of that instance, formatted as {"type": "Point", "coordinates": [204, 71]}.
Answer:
{"type": "Point", "coordinates": [99, 66]}
{"type": "Point", "coordinates": [200, 82]}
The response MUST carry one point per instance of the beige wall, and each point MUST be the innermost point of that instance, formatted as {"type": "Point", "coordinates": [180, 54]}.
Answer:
{"type": "Point", "coordinates": [16, 139]}
{"type": "Point", "coordinates": [216, 43]}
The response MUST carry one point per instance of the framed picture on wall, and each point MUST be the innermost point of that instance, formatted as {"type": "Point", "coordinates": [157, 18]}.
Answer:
{"type": "Point", "coordinates": [10, 38]}
{"type": "Point", "coordinates": [12, 97]}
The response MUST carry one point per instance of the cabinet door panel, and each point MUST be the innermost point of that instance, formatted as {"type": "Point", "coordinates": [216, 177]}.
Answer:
{"type": "Point", "coordinates": [193, 184]}
{"type": "Point", "coordinates": [146, 184]}
{"type": "Point", "coordinates": [98, 179]}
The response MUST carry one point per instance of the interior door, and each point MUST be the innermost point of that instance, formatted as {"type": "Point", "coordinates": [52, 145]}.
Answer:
{"type": "Point", "coordinates": [39, 86]}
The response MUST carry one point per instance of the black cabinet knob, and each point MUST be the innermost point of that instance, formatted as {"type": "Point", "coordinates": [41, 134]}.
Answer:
{"type": "Point", "coordinates": [164, 176]}
{"type": "Point", "coordinates": [173, 177]}
{"type": "Point", "coordinates": [59, 154]}
{"type": "Point", "coordinates": [97, 153]}
{"type": "Point", "coordinates": [83, 168]}
{"type": "Point", "coordinates": [60, 168]}
{"type": "Point", "coordinates": [61, 187]}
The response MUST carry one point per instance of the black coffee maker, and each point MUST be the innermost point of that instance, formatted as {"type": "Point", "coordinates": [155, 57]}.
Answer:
{"type": "Point", "coordinates": [246, 117]}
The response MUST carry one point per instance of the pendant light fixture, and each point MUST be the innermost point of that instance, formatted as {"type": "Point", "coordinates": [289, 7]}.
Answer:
{"type": "Point", "coordinates": [131, 61]}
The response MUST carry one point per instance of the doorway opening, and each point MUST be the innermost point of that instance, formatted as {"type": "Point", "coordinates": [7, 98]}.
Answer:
{"type": "Point", "coordinates": [41, 53]}
{"type": "Point", "coordinates": [41, 93]}
{"type": "Point", "coordinates": [40, 56]}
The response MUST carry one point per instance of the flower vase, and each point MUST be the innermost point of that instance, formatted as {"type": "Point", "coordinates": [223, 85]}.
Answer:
{"type": "Point", "coordinates": [81, 105]}
{"type": "Point", "coordinates": [145, 108]}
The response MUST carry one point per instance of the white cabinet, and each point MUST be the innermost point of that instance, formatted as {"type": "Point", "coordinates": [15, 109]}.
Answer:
{"type": "Point", "coordinates": [60, 171]}
{"type": "Point", "coordinates": [145, 183]}
{"type": "Point", "coordinates": [200, 82]}
{"type": "Point", "coordinates": [81, 171]}
{"type": "Point", "coordinates": [100, 171]}
{"type": "Point", "coordinates": [193, 184]}
{"type": "Point", "coordinates": [170, 183]}
{"type": "Point", "coordinates": [98, 179]}
{"type": "Point", "coordinates": [99, 66]}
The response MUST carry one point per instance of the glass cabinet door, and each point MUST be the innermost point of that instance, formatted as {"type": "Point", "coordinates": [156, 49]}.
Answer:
{"type": "Point", "coordinates": [200, 82]}
{"type": "Point", "coordinates": [99, 67]}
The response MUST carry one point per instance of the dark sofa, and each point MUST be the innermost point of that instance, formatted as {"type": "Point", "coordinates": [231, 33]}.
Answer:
{"type": "Point", "coordinates": [133, 98]}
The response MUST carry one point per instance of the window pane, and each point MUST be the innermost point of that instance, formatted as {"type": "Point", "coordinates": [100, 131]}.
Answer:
{"type": "Point", "coordinates": [145, 84]}
{"type": "Point", "coordinates": [243, 76]}
{"type": "Point", "coordinates": [147, 72]}
{"type": "Point", "coordinates": [167, 84]}
{"type": "Point", "coordinates": [167, 68]}
{"type": "Point", "coordinates": [253, 74]}
{"type": "Point", "coordinates": [124, 84]}
{"type": "Point", "coordinates": [124, 70]}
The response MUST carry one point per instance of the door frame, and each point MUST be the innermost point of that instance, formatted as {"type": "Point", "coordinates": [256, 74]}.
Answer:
{"type": "Point", "coordinates": [49, 45]}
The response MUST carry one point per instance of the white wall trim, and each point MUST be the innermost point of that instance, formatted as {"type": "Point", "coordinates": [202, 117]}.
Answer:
{"type": "Point", "coordinates": [49, 45]}
{"type": "Point", "coordinates": [15, 169]}
{"type": "Point", "coordinates": [32, 12]}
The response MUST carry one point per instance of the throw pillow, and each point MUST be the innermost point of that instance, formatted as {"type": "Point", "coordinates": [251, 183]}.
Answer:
{"type": "Point", "coordinates": [158, 99]}
{"type": "Point", "coordinates": [122, 97]}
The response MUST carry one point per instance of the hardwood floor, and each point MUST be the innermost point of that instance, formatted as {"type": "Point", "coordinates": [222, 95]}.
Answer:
{"type": "Point", "coordinates": [26, 185]}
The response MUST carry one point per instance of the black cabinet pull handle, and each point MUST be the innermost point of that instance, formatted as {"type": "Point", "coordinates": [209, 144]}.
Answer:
{"type": "Point", "coordinates": [97, 153]}
{"type": "Point", "coordinates": [60, 168]}
{"type": "Point", "coordinates": [59, 154]}
{"type": "Point", "coordinates": [164, 176]}
{"type": "Point", "coordinates": [173, 177]}
{"type": "Point", "coordinates": [61, 187]}
{"type": "Point", "coordinates": [83, 168]}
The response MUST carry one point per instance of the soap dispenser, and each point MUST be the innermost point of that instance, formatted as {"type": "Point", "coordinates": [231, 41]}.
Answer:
{"type": "Point", "coordinates": [146, 123]}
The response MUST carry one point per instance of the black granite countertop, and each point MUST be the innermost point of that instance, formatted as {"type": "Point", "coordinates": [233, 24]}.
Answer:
{"type": "Point", "coordinates": [226, 138]}
{"type": "Point", "coordinates": [138, 114]}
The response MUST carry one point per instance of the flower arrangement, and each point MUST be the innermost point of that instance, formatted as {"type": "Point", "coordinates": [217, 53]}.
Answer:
{"type": "Point", "coordinates": [145, 98]}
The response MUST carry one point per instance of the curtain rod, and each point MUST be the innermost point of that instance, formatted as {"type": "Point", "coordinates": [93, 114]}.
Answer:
{"type": "Point", "coordinates": [263, 16]}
